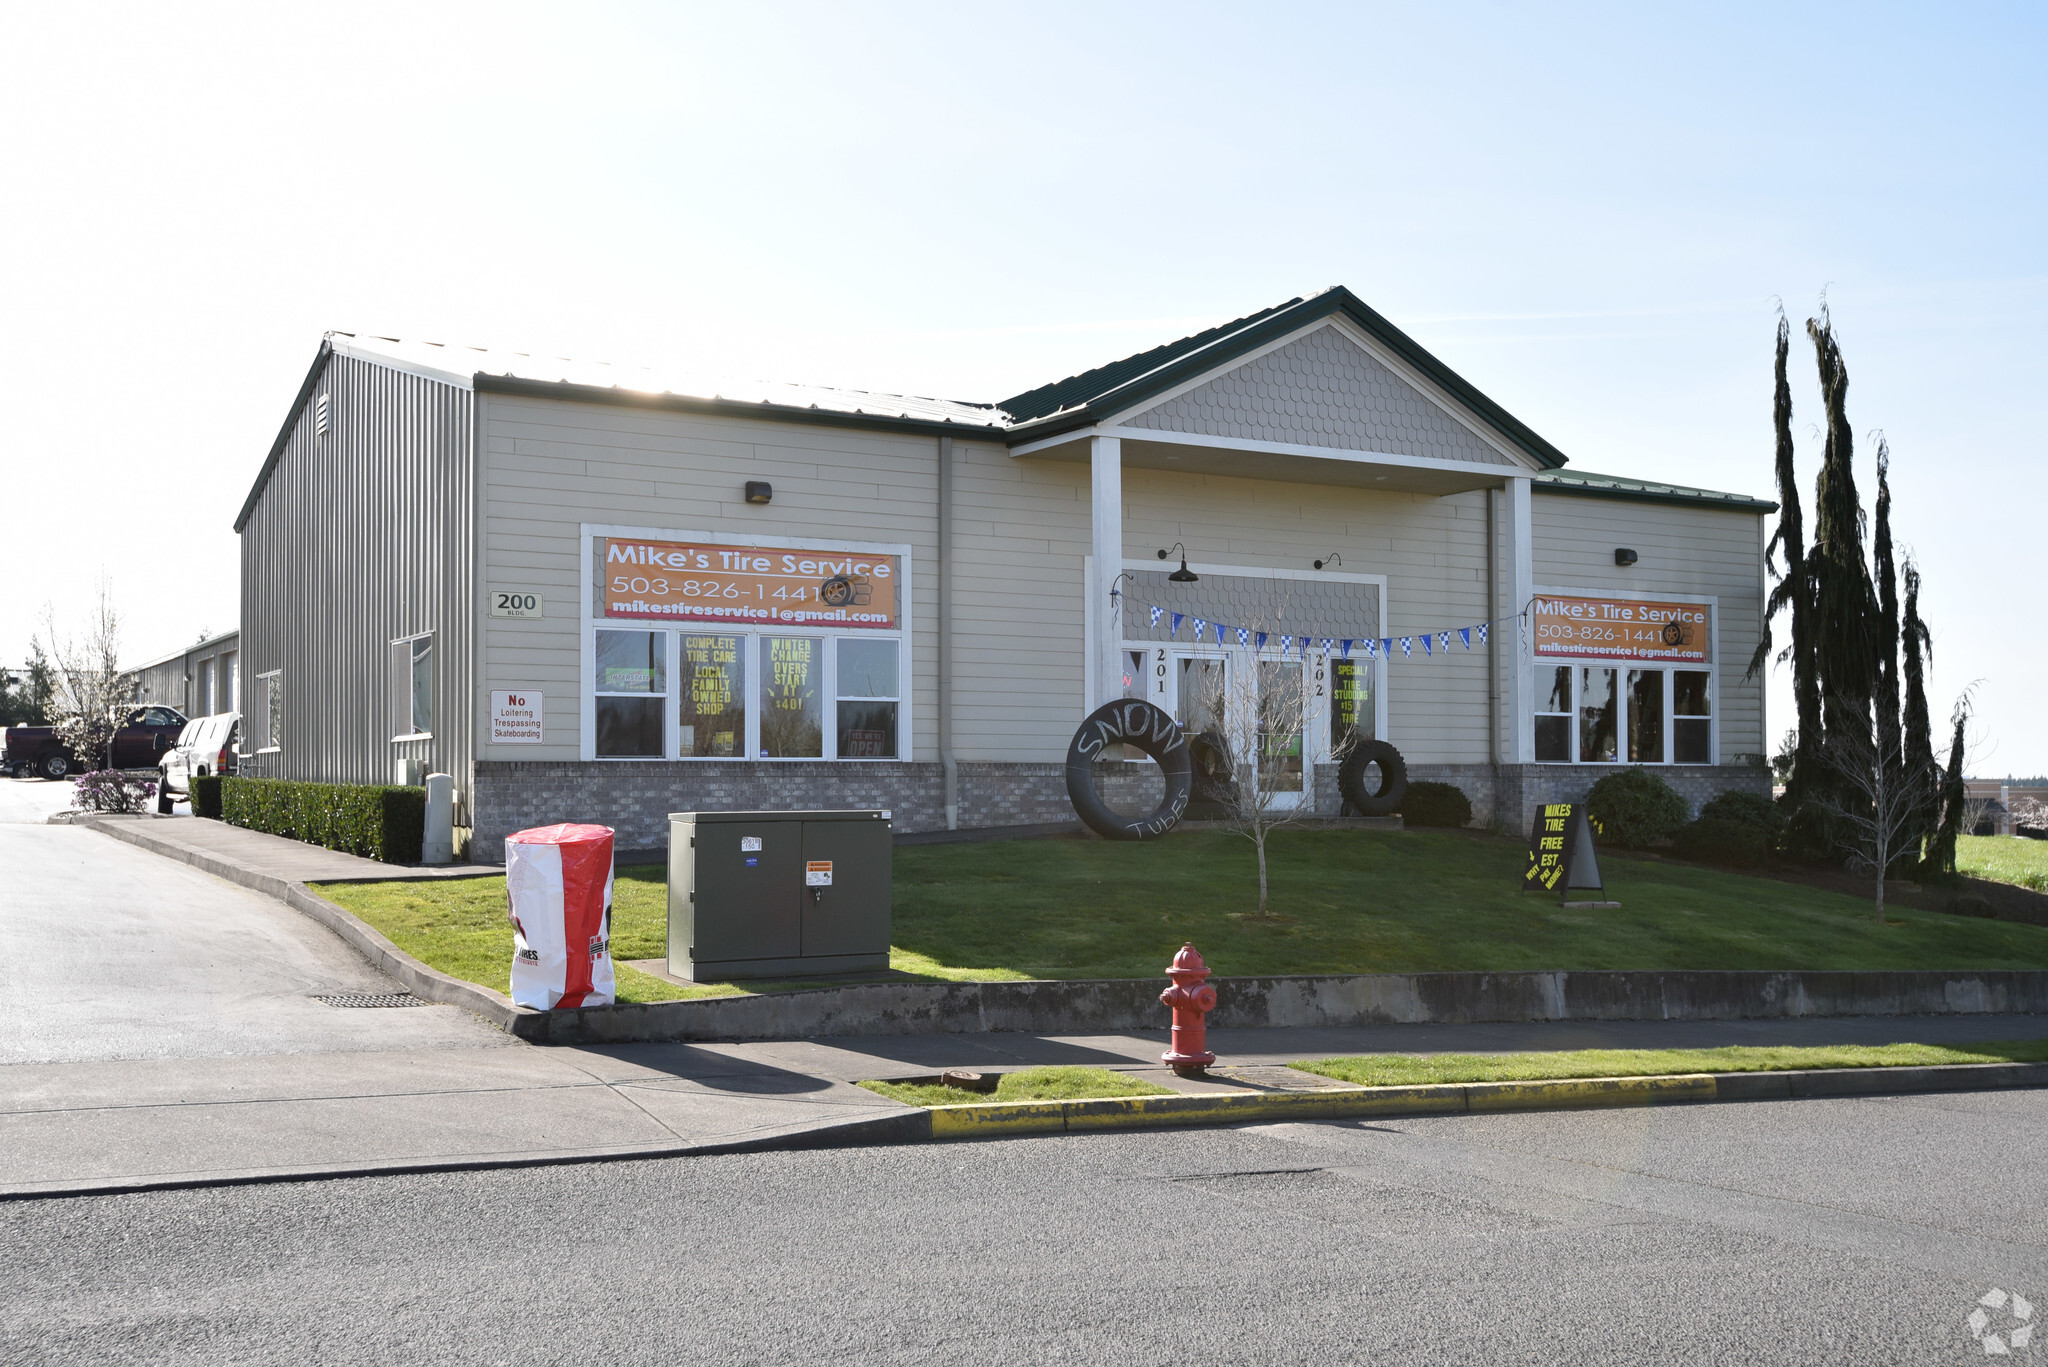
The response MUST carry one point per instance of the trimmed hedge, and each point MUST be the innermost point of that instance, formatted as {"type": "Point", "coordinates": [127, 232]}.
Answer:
{"type": "Point", "coordinates": [1635, 808]}
{"type": "Point", "coordinates": [1720, 840]}
{"type": "Point", "coordinates": [1435, 804]}
{"type": "Point", "coordinates": [375, 821]}
{"type": "Point", "coordinates": [205, 793]}
{"type": "Point", "coordinates": [1748, 809]}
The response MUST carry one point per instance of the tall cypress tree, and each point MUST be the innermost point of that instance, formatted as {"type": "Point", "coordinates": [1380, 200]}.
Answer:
{"type": "Point", "coordinates": [1885, 581]}
{"type": "Point", "coordinates": [1941, 853]}
{"type": "Point", "coordinates": [1794, 589]}
{"type": "Point", "coordinates": [1845, 653]}
{"type": "Point", "coordinates": [1917, 645]}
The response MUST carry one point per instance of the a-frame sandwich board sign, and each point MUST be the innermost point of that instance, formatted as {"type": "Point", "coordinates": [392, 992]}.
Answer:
{"type": "Point", "coordinates": [1561, 854]}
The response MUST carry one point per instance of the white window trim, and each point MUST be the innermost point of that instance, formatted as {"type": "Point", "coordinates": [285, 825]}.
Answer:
{"type": "Point", "coordinates": [270, 745]}
{"type": "Point", "coordinates": [1711, 667]}
{"type": "Point", "coordinates": [591, 622]}
{"type": "Point", "coordinates": [407, 676]}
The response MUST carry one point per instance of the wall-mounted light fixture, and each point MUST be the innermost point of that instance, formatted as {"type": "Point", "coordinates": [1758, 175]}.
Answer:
{"type": "Point", "coordinates": [1624, 556]}
{"type": "Point", "coordinates": [1331, 559]}
{"type": "Point", "coordinates": [1183, 575]}
{"type": "Point", "coordinates": [759, 491]}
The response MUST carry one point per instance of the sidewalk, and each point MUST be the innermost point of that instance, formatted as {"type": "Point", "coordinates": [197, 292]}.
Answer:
{"type": "Point", "coordinates": [74, 1129]}
{"type": "Point", "coordinates": [275, 855]}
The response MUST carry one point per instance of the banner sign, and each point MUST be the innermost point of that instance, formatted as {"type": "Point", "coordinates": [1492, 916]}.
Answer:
{"type": "Point", "coordinates": [676, 581]}
{"type": "Point", "coordinates": [1620, 628]}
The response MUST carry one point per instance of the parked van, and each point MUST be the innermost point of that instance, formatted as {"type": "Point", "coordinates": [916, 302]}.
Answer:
{"type": "Point", "coordinates": [207, 745]}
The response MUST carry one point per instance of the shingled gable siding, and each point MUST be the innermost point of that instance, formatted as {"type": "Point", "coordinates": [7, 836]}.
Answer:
{"type": "Point", "coordinates": [361, 536]}
{"type": "Point", "coordinates": [1322, 389]}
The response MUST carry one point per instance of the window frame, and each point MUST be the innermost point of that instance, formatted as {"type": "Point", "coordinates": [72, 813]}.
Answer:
{"type": "Point", "coordinates": [751, 635]}
{"type": "Point", "coordinates": [272, 682]}
{"type": "Point", "coordinates": [1710, 666]}
{"type": "Point", "coordinates": [405, 722]}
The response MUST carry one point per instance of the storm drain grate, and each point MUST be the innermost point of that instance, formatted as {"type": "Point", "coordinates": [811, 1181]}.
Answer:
{"type": "Point", "coordinates": [371, 999]}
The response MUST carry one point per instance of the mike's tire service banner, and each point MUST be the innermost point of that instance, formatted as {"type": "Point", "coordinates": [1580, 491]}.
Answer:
{"type": "Point", "coordinates": [558, 880]}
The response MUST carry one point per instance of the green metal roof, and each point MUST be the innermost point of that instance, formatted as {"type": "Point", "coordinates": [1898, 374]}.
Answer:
{"type": "Point", "coordinates": [1099, 394]}
{"type": "Point", "coordinates": [1645, 491]}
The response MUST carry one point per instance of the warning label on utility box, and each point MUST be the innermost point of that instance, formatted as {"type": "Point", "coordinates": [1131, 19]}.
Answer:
{"type": "Point", "coordinates": [817, 873]}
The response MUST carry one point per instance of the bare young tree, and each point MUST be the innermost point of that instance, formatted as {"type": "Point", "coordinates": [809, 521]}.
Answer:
{"type": "Point", "coordinates": [1256, 713]}
{"type": "Point", "coordinates": [87, 689]}
{"type": "Point", "coordinates": [1873, 810]}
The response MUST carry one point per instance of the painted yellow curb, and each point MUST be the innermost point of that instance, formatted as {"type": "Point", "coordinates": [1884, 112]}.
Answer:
{"type": "Point", "coordinates": [981, 1118]}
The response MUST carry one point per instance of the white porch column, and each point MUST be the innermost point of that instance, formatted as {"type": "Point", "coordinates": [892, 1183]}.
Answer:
{"type": "Point", "coordinates": [1519, 554]}
{"type": "Point", "coordinates": [1106, 461]}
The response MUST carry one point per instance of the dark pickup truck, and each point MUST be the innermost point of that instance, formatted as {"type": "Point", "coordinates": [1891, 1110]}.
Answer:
{"type": "Point", "coordinates": [144, 734]}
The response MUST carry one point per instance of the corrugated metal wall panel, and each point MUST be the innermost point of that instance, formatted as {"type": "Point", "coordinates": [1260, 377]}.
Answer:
{"type": "Point", "coordinates": [363, 535]}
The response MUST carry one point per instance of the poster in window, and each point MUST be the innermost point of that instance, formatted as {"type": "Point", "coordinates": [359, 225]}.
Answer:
{"type": "Point", "coordinates": [1620, 628]}
{"type": "Point", "coordinates": [714, 710]}
{"type": "Point", "coordinates": [686, 581]}
{"type": "Point", "coordinates": [792, 697]}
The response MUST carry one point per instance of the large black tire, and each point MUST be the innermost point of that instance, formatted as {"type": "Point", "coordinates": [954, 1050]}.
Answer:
{"type": "Point", "coordinates": [54, 765]}
{"type": "Point", "coordinates": [1135, 723]}
{"type": "Point", "coordinates": [1351, 779]}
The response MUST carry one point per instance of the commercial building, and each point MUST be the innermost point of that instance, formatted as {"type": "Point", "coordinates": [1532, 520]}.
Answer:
{"type": "Point", "coordinates": [597, 594]}
{"type": "Point", "coordinates": [200, 680]}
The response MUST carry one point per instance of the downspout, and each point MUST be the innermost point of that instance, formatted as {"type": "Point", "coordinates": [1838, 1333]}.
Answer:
{"type": "Point", "coordinates": [1493, 647]}
{"type": "Point", "coordinates": [946, 760]}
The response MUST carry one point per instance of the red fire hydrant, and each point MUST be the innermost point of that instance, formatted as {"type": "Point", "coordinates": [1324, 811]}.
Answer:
{"type": "Point", "coordinates": [1189, 997]}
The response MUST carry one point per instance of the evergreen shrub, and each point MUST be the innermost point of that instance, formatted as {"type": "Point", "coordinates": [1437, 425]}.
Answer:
{"type": "Point", "coordinates": [1750, 809]}
{"type": "Point", "coordinates": [205, 793]}
{"type": "Point", "coordinates": [1435, 804]}
{"type": "Point", "coordinates": [1635, 808]}
{"type": "Point", "coordinates": [375, 821]}
{"type": "Point", "coordinates": [1719, 840]}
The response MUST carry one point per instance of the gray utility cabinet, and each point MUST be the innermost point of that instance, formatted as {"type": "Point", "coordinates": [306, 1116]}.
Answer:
{"type": "Point", "coordinates": [777, 894]}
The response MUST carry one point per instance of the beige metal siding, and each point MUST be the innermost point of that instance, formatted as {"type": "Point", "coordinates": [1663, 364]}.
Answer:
{"type": "Point", "coordinates": [363, 535]}
{"type": "Point", "coordinates": [549, 467]}
{"type": "Point", "coordinates": [1684, 552]}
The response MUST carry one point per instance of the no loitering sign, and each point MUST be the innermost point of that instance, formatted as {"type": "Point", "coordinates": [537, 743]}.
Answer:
{"type": "Point", "coordinates": [516, 717]}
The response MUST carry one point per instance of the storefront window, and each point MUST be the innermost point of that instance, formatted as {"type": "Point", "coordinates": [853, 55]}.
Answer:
{"type": "Point", "coordinates": [1202, 697]}
{"type": "Point", "coordinates": [632, 680]}
{"type": "Point", "coordinates": [1599, 716]}
{"type": "Point", "coordinates": [867, 699]}
{"type": "Point", "coordinates": [1646, 716]}
{"type": "Point", "coordinates": [1351, 706]}
{"type": "Point", "coordinates": [1279, 702]}
{"type": "Point", "coordinates": [713, 714]}
{"type": "Point", "coordinates": [1554, 714]}
{"type": "Point", "coordinates": [792, 697]}
{"type": "Point", "coordinates": [1692, 723]}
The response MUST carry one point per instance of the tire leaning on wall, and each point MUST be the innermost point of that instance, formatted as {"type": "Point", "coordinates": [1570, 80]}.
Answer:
{"type": "Point", "coordinates": [1148, 728]}
{"type": "Point", "coordinates": [1393, 779]}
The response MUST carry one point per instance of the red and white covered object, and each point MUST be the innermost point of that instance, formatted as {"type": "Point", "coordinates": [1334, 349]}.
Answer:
{"type": "Point", "coordinates": [559, 882]}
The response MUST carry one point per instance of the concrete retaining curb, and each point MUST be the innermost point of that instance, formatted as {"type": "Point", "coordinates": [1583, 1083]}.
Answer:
{"type": "Point", "coordinates": [978, 1120]}
{"type": "Point", "coordinates": [1124, 1004]}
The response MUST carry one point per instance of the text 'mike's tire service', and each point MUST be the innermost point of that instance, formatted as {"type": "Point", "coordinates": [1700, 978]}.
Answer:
{"type": "Point", "coordinates": [1147, 728]}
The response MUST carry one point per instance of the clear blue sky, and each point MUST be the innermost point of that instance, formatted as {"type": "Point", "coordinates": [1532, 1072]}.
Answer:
{"type": "Point", "coordinates": [1589, 212]}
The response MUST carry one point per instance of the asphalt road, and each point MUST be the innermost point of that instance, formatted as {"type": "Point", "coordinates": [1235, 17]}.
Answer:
{"type": "Point", "coordinates": [109, 952]}
{"type": "Point", "coordinates": [1821, 1231]}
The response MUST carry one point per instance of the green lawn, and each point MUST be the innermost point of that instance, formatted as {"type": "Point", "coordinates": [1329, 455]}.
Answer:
{"type": "Point", "coordinates": [1344, 902]}
{"type": "Point", "coordinates": [1400, 1070]}
{"type": "Point", "coordinates": [1026, 1084]}
{"type": "Point", "coordinates": [2004, 859]}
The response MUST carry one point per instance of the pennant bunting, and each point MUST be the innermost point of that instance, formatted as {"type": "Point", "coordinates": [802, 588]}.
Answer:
{"type": "Point", "coordinates": [1199, 624]}
{"type": "Point", "coordinates": [1219, 633]}
{"type": "Point", "coordinates": [1443, 638]}
{"type": "Point", "coordinates": [1425, 643]}
{"type": "Point", "coordinates": [1347, 647]}
{"type": "Point", "coordinates": [1157, 613]}
{"type": "Point", "coordinates": [1244, 636]}
{"type": "Point", "coordinates": [1482, 633]}
{"type": "Point", "coordinates": [1329, 641]}
{"type": "Point", "coordinates": [1387, 647]}
{"type": "Point", "coordinates": [1177, 620]}
{"type": "Point", "coordinates": [1408, 646]}
{"type": "Point", "coordinates": [1372, 648]}
{"type": "Point", "coordinates": [1286, 644]}
{"type": "Point", "coordinates": [1465, 635]}
{"type": "Point", "coordinates": [1262, 640]}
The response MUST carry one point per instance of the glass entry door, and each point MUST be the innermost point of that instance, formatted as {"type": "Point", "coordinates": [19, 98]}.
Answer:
{"type": "Point", "coordinates": [1235, 706]}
